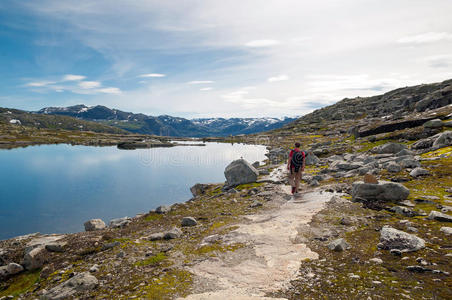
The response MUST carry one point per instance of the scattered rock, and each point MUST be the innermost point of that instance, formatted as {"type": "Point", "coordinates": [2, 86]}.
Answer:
{"type": "Point", "coordinates": [410, 163]}
{"type": "Point", "coordinates": [376, 260]}
{"type": "Point", "coordinates": [314, 183]}
{"type": "Point", "coordinates": [436, 215]}
{"type": "Point", "coordinates": [79, 283]}
{"type": "Point", "coordinates": [56, 246]}
{"type": "Point", "coordinates": [395, 252]}
{"type": "Point", "coordinates": [156, 236]}
{"type": "Point", "coordinates": [388, 148]}
{"type": "Point", "coordinates": [346, 221]}
{"type": "Point", "coordinates": [446, 230]}
{"type": "Point", "coordinates": [240, 172]}
{"type": "Point", "coordinates": [311, 159]}
{"type": "Point", "coordinates": [444, 139]}
{"type": "Point", "coordinates": [407, 203]}
{"type": "Point", "coordinates": [383, 191]}
{"type": "Point", "coordinates": [391, 238]}
{"type": "Point", "coordinates": [120, 222]}
{"type": "Point", "coordinates": [255, 204]}
{"type": "Point", "coordinates": [436, 123]}
{"type": "Point", "coordinates": [188, 221]}
{"type": "Point", "coordinates": [94, 268]}
{"type": "Point", "coordinates": [418, 269]}
{"type": "Point", "coordinates": [256, 164]}
{"type": "Point", "coordinates": [403, 211]}
{"type": "Point", "coordinates": [338, 245]}
{"type": "Point", "coordinates": [35, 258]}
{"type": "Point", "coordinates": [198, 189]}
{"type": "Point", "coordinates": [14, 268]}
{"type": "Point", "coordinates": [110, 245]}
{"type": "Point", "coordinates": [172, 234]}
{"type": "Point", "coordinates": [163, 209]}
{"type": "Point", "coordinates": [393, 167]}
{"type": "Point", "coordinates": [94, 224]}
{"type": "Point", "coordinates": [419, 172]}
{"type": "Point", "coordinates": [404, 152]}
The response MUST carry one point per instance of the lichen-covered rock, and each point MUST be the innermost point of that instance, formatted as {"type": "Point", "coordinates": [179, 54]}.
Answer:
{"type": "Point", "coordinates": [444, 139]}
{"type": "Point", "coordinates": [391, 238]}
{"type": "Point", "coordinates": [419, 172]}
{"type": "Point", "coordinates": [240, 172]}
{"type": "Point", "coordinates": [393, 167]}
{"type": "Point", "coordinates": [35, 258]}
{"type": "Point", "coordinates": [79, 283]}
{"type": "Point", "coordinates": [388, 148]}
{"type": "Point", "coordinates": [383, 191]}
{"type": "Point", "coordinates": [311, 159]}
{"type": "Point", "coordinates": [436, 123]}
{"type": "Point", "coordinates": [14, 268]}
{"type": "Point", "coordinates": [436, 215]}
{"type": "Point", "coordinates": [410, 163]}
{"type": "Point", "coordinates": [338, 245]}
{"type": "Point", "coordinates": [446, 230]}
{"type": "Point", "coordinates": [94, 224]}
{"type": "Point", "coordinates": [188, 221]}
{"type": "Point", "coordinates": [172, 234]}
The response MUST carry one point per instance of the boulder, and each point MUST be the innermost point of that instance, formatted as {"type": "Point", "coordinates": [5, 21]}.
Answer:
{"type": "Point", "coordinates": [311, 159]}
{"type": "Point", "coordinates": [419, 172]}
{"type": "Point", "coordinates": [198, 189]}
{"type": "Point", "coordinates": [35, 258]}
{"type": "Point", "coordinates": [404, 152]}
{"type": "Point", "coordinates": [188, 221]}
{"type": "Point", "coordinates": [256, 164]}
{"type": "Point", "coordinates": [156, 236]}
{"type": "Point", "coordinates": [410, 163]}
{"type": "Point", "coordinates": [120, 222]}
{"type": "Point", "coordinates": [3, 272]}
{"type": "Point", "coordinates": [436, 215]}
{"type": "Point", "coordinates": [422, 144]}
{"type": "Point", "coordinates": [56, 246]}
{"type": "Point", "coordinates": [383, 191]}
{"type": "Point", "coordinates": [391, 238]}
{"type": "Point", "coordinates": [388, 148]}
{"type": "Point", "coordinates": [338, 245]}
{"type": "Point", "coordinates": [401, 210]}
{"type": "Point", "coordinates": [436, 123]}
{"type": "Point", "coordinates": [172, 234]}
{"type": "Point", "coordinates": [446, 230]}
{"type": "Point", "coordinates": [347, 166]}
{"type": "Point", "coordinates": [240, 172]}
{"type": "Point", "coordinates": [79, 283]}
{"type": "Point", "coordinates": [163, 209]}
{"type": "Point", "coordinates": [444, 139]}
{"type": "Point", "coordinates": [393, 167]}
{"type": "Point", "coordinates": [14, 268]}
{"type": "Point", "coordinates": [94, 224]}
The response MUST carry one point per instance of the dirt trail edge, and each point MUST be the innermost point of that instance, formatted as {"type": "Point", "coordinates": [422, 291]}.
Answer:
{"type": "Point", "coordinates": [272, 257]}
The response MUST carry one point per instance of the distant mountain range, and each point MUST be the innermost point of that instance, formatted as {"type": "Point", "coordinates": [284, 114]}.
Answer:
{"type": "Point", "coordinates": [167, 125]}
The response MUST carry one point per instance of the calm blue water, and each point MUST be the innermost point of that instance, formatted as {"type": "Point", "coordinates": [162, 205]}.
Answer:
{"type": "Point", "coordinates": [55, 188]}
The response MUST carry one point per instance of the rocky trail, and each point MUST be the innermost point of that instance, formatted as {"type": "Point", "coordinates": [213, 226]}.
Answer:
{"type": "Point", "coordinates": [273, 256]}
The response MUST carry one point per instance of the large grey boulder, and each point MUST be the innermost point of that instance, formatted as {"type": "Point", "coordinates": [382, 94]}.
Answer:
{"type": "Point", "coordinates": [383, 191]}
{"type": "Point", "coordinates": [240, 172]}
{"type": "Point", "coordinates": [94, 224]}
{"type": "Point", "coordinates": [404, 152]}
{"type": "Point", "coordinates": [388, 148]}
{"type": "Point", "coordinates": [79, 283]}
{"type": "Point", "coordinates": [163, 209]}
{"type": "Point", "coordinates": [393, 167]}
{"type": "Point", "coordinates": [35, 258]}
{"type": "Point", "coordinates": [444, 139]}
{"type": "Point", "coordinates": [188, 221]}
{"type": "Point", "coordinates": [391, 238]}
{"type": "Point", "coordinates": [172, 234]}
{"type": "Point", "coordinates": [436, 123]}
{"type": "Point", "coordinates": [410, 163]}
{"type": "Point", "coordinates": [436, 215]}
{"type": "Point", "coordinates": [311, 159]}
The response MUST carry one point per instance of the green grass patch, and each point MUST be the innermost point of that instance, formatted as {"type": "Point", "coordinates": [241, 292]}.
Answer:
{"type": "Point", "coordinates": [152, 261]}
{"type": "Point", "coordinates": [21, 284]}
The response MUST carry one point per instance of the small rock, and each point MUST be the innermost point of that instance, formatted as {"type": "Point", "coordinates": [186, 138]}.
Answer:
{"type": "Point", "coordinates": [56, 246]}
{"type": "Point", "coordinates": [121, 254]}
{"type": "Point", "coordinates": [391, 238]}
{"type": "Point", "coordinates": [408, 203]}
{"type": "Point", "coordinates": [418, 269]}
{"type": "Point", "coordinates": [14, 268]}
{"type": "Point", "coordinates": [403, 211]}
{"type": "Point", "coordinates": [156, 236]}
{"type": "Point", "coordinates": [173, 234]}
{"type": "Point", "coordinates": [436, 123]}
{"type": "Point", "coordinates": [376, 260]}
{"type": "Point", "coordinates": [338, 245]}
{"type": "Point", "coordinates": [436, 215]}
{"type": "Point", "coordinates": [256, 164]}
{"type": "Point", "coordinates": [94, 268]}
{"type": "Point", "coordinates": [346, 221]}
{"type": "Point", "coordinates": [94, 224]}
{"type": "Point", "coordinates": [314, 183]}
{"type": "Point", "coordinates": [163, 209]}
{"type": "Point", "coordinates": [410, 163]}
{"type": "Point", "coordinates": [120, 222]}
{"type": "Point", "coordinates": [393, 167]}
{"type": "Point", "coordinates": [404, 152]}
{"type": "Point", "coordinates": [446, 230]}
{"type": "Point", "coordinates": [110, 245]}
{"type": "Point", "coordinates": [198, 189]}
{"type": "Point", "coordinates": [255, 204]}
{"type": "Point", "coordinates": [395, 252]}
{"type": "Point", "coordinates": [416, 172]}
{"type": "Point", "coordinates": [188, 221]}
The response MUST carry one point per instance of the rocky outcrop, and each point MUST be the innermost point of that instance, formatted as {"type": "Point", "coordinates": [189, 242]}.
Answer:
{"type": "Point", "coordinates": [188, 221]}
{"type": "Point", "coordinates": [198, 189]}
{"type": "Point", "coordinates": [443, 140]}
{"type": "Point", "coordinates": [391, 238]}
{"type": "Point", "coordinates": [79, 283]}
{"type": "Point", "coordinates": [120, 222]}
{"type": "Point", "coordinates": [240, 172]}
{"type": "Point", "coordinates": [383, 191]}
{"type": "Point", "coordinates": [35, 258]}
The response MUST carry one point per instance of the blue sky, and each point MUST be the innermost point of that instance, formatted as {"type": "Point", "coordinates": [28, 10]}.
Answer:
{"type": "Point", "coordinates": [233, 58]}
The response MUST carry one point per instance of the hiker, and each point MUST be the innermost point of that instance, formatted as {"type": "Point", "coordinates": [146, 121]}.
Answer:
{"type": "Point", "coordinates": [295, 165]}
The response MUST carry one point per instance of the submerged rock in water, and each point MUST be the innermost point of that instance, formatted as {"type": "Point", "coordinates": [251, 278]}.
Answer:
{"type": "Point", "coordinates": [240, 172]}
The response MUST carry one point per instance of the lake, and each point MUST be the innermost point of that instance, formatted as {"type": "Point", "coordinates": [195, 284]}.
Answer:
{"type": "Point", "coordinates": [56, 188]}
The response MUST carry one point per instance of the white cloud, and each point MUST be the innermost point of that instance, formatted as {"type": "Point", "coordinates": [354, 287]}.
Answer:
{"type": "Point", "coordinates": [262, 43]}
{"type": "Point", "coordinates": [71, 77]}
{"type": "Point", "coordinates": [39, 83]}
{"type": "Point", "coordinates": [110, 90]}
{"type": "Point", "coordinates": [201, 82]}
{"type": "Point", "coordinates": [89, 84]}
{"type": "Point", "coordinates": [278, 78]}
{"type": "Point", "coordinates": [152, 75]}
{"type": "Point", "coordinates": [206, 89]}
{"type": "Point", "coordinates": [439, 61]}
{"type": "Point", "coordinates": [424, 38]}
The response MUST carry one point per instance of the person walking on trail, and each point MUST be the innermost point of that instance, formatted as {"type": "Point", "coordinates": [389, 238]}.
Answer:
{"type": "Point", "coordinates": [295, 165]}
